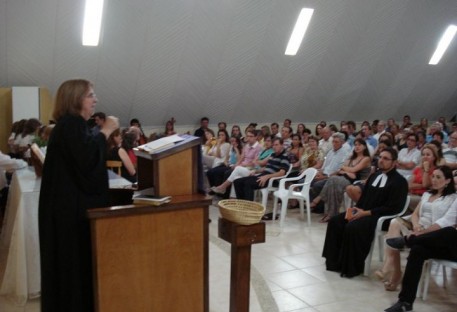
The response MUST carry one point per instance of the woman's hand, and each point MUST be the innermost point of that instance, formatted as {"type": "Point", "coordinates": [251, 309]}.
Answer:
{"type": "Point", "coordinates": [426, 166]}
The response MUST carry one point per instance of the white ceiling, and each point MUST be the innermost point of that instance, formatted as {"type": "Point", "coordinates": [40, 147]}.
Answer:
{"type": "Point", "coordinates": [361, 59]}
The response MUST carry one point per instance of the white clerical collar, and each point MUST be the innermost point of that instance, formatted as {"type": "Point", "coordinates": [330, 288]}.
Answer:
{"type": "Point", "coordinates": [380, 180]}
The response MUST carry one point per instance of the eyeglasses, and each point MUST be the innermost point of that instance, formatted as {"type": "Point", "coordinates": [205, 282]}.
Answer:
{"type": "Point", "coordinates": [91, 95]}
{"type": "Point", "coordinates": [385, 158]}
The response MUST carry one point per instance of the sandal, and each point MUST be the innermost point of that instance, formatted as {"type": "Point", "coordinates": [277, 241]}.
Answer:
{"type": "Point", "coordinates": [380, 275]}
{"type": "Point", "coordinates": [390, 286]}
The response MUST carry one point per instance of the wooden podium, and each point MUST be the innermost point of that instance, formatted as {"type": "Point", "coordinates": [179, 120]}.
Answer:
{"type": "Point", "coordinates": [155, 258]}
{"type": "Point", "coordinates": [173, 171]}
{"type": "Point", "coordinates": [151, 258]}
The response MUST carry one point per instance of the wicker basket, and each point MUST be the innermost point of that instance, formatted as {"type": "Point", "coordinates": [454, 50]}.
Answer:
{"type": "Point", "coordinates": [243, 212]}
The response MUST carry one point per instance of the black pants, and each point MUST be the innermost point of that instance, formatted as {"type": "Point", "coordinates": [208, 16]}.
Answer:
{"type": "Point", "coordinates": [246, 186]}
{"type": "Point", "coordinates": [216, 175]}
{"type": "Point", "coordinates": [439, 244]}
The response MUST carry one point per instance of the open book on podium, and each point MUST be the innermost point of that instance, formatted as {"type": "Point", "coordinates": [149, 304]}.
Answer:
{"type": "Point", "coordinates": [160, 144]}
{"type": "Point", "coordinates": [169, 165]}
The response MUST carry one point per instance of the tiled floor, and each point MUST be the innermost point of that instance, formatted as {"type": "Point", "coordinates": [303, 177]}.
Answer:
{"type": "Point", "coordinates": [288, 274]}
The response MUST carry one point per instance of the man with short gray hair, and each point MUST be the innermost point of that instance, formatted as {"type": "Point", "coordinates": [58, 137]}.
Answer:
{"type": "Point", "coordinates": [333, 162]}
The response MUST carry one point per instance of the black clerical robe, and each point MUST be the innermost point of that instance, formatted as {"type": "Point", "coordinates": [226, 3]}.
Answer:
{"type": "Point", "coordinates": [347, 244]}
{"type": "Point", "coordinates": [74, 179]}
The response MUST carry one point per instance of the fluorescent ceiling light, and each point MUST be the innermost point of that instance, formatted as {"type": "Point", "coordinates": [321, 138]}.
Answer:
{"type": "Point", "coordinates": [443, 44]}
{"type": "Point", "coordinates": [299, 31]}
{"type": "Point", "coordinates": [92, 22]}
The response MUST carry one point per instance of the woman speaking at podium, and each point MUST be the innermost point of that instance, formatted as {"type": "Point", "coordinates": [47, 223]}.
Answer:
{"type": "Point", "coordinates": [74, 179]}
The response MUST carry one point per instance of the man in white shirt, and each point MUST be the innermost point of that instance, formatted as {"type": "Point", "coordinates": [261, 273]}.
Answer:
{"type": "Point", "coordinates": [408, 157]}
{"type": "Point", "coordinates": [326, 142]}
{"type": "Point", "coordinates": [333, 162]}
{"type": "Point", "coordinates": [381, 128]}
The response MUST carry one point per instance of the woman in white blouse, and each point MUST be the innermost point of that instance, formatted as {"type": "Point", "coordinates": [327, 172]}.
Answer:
{"type": "Point", "coordinates": [426, 218]}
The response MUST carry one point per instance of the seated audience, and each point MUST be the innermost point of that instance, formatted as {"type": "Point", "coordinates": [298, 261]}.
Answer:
{"type": "Point", "coordinates": [241, 171]}
{"type": "Point", "coordinates": [349, 236]}
{"type": "Point", "coordinates": [222, 125]}
{"type": "Point", "coordinates": [250, 153]}
{"type": "Point", "coordinates": [218, 152]}
{"type": "Point", "coordinates": [277, 165]}
{"type": "Point", "coordinates": [325, 142]}
{"type": "Point", "coordinates": [356, 167]}
{"type": "Point", "coordinates": [428, 214]}
{"type": "Point", "coordinates": [313, 156]}
{"type": "Point", "coordinates": [117, 152]}
{"type": "Point", "coordinates": [128, 143]}
{"type": "Point", "coordinates": [216, 174]}
{"type": "Point", "coordinates": [275, 129]}
{"type": "Point", "coordinates": [406, 122]}
{"type": "Point", "coordinates": [235, 132]}
{"type": "Point", "coordinates": [450, 153]}
{"type": "Point", "coordinates": [265, 131]}
{"type": "Point", "coordinates": [27, 137]}
{"type": "Point", "coordinates": [366, 134]}
{"type": "Point", "coordinates": [135, 124]}
{"type": "Point", "coordinates": [436, 127]}
{"type": "Point", "coordinates": [170, 127]}
{"type": "Point", "coordinates": [209, 141]}
{"type": "Point", "coordinates": [423, 124]}
{"type": "Point", "coordinates": [286, 135]}
{"type": "Point", "coordinates": [295, 152]}
{"type": "Point", "coordinates": [200, 132]}
{"type": "Point", "coordinates": [380, 129]}
{"type": "Point", "coordinates": [15, 137]}
{"type": "Point", "coordinates": [318, 130]}
{"type": "Point", "coordinates": [420, 179]}
{"type": "Point", "coordinates": [98, 119]}
{"type": "Point", "coordinates": [421, 139]}
{"type": "Point", "coordinates": [300, 129]}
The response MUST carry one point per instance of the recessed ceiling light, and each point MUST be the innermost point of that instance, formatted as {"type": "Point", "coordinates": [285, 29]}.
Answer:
{"type": "Point", "coordinates": [299, 31]}
{"type": "Point", "coordinates": [443, 44]}
{"type": "Point", "coordinates": [92, 22]}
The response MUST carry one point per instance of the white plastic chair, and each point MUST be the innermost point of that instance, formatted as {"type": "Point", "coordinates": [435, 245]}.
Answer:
{"type": "Point", "coordinates": [302, 196]}
{"type": "Point", "coordinates": [379, 236]}
{"type": "Point", "coordinates": [270, 188]}
{"type": "Point", "coordinates": [426, 272]}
